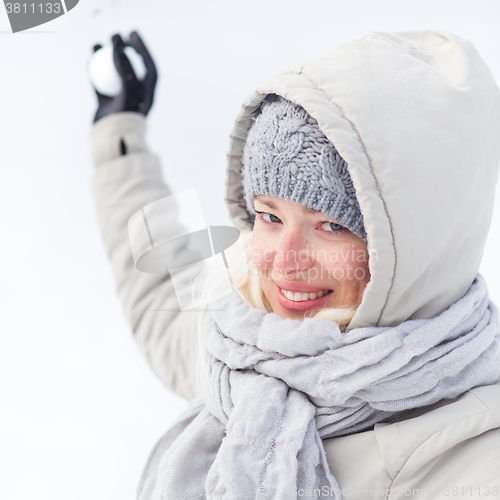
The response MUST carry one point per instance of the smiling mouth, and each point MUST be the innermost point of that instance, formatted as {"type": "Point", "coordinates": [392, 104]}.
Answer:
{"type": "Point", "coordinates": [303, 296]}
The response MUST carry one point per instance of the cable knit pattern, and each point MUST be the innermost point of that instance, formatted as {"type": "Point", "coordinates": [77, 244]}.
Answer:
{"type": "Point", "coordinates": [287, 156]}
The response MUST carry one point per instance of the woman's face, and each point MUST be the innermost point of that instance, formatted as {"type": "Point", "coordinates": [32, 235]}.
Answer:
{"type": "Point", "coordinates": [300, 253]}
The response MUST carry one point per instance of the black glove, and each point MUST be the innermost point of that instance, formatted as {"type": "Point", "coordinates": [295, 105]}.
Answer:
{"type": "Point", "coordinates": [136, 95]}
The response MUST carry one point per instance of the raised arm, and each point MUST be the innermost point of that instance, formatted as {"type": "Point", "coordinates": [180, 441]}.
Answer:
{"type": "Point", "coordinates": [128, 177]}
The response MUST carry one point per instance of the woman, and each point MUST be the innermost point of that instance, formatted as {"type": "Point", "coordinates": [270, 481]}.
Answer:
{"type": "Point", "coordinates": [365, 175]}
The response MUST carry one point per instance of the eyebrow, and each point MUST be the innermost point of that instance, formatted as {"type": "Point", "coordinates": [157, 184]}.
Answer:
{"type": "Point", "coordinates": [273, 206]}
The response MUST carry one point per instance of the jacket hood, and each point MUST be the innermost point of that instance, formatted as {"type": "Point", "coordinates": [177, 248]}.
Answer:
{"type": "Point", "coordinates": [416, 116]}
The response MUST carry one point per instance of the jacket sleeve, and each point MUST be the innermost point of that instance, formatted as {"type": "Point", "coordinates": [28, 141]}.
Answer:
{"type": "Point", "coordinates": [123, 184]}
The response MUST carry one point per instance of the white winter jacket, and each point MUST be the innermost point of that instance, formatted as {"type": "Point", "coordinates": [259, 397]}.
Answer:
{"type": "Point", "coordinates": [416, 116]}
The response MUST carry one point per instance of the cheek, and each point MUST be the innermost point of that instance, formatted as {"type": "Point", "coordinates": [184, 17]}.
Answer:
{"type": "Point", "coordinates": [346, 264]}
{"type": "Point", "coordinates": [359, 265]}
{"type": "Point", "coordinates": [361, 272]}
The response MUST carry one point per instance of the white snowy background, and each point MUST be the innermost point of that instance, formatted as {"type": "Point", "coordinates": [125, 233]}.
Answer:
{"type": "Point", "coordinates": [80, 409]}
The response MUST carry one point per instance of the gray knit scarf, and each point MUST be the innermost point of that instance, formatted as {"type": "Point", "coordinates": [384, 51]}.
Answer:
{"type": "Point", "coordinates": [273, 389]}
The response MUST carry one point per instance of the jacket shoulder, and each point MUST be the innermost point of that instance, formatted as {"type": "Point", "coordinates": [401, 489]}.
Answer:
{"type": "Point", "coordinates": [444, 450]}
{"type": "Point", "coordinates": [452, 448]}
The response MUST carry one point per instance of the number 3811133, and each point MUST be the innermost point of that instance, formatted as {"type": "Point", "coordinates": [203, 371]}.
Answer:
{"type": "Point", "coordinates": [33, 8]}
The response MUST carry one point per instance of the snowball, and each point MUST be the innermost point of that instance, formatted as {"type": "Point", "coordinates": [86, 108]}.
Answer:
{"type": "Point", "coordinates": [103, 74]}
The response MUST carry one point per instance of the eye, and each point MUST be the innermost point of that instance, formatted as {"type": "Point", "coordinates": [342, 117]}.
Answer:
{"type": "Point", "coordinates": [332, 227]}
{"type": "Point", "coordinates": [268, 218]}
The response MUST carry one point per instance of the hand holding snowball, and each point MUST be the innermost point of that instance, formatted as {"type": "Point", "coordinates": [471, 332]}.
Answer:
{"type": "Point", "coordinates": [125, 82]}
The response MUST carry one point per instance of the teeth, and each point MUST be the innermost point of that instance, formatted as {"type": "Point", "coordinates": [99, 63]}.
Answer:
{"type": "Point", "coordinates": [299, 296]}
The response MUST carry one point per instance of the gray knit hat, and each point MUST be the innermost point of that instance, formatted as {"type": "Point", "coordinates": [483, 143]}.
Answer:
{"type": "Point", "coordinates": [287, 156]}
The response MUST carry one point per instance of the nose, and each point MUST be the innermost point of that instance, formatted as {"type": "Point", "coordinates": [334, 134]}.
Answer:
{"type": "Point", "coordinates": [294, 254]}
